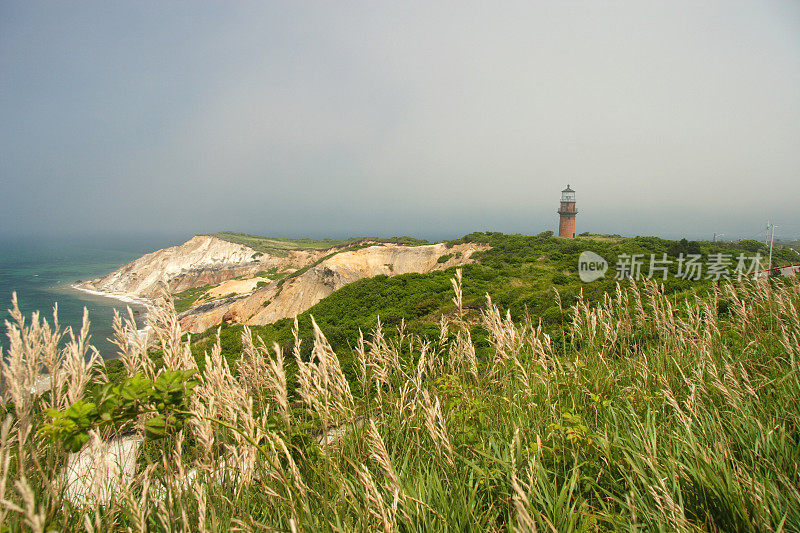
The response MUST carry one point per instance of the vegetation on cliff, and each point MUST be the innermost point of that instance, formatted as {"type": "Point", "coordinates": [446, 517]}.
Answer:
{"type": "Point", "coordinates": [281, 246]}
{"type": "Point", "coordinates": [518, 272]}
{"type": "Point", "coordinates": [276, 245]}
{"type": "Point", "coordinates": [185, 299]}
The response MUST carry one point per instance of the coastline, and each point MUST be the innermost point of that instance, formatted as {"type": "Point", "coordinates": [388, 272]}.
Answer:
{"type": "Point", "coordinates": [42, 382]}
{"type": "Point", "coordinates": [140, 332]}
{"type": "Point", "coordinates": [120, 297]}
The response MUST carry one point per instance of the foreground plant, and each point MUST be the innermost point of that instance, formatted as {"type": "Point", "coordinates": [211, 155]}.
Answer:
{"type": "Point", "coordinates": [651, 412]}
{"type": "Point", "coordinates": [114, 406]}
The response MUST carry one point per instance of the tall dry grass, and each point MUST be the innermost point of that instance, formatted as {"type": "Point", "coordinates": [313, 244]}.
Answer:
{"type": "Point", "coordinates": [653, 412]}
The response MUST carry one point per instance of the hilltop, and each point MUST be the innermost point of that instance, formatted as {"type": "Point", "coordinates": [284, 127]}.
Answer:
{"type": "Point", "coordinates": [533, 276]}
{"type": "Point", "coordinates": [279, 246]}
{"type": "Point", "coordinates": [240, 279]}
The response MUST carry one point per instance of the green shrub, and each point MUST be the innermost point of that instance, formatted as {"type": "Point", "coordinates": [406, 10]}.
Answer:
{"type": "Point", "coordinates": [552, 315]}
{"type": "Point", "coordinates": [185, 299]}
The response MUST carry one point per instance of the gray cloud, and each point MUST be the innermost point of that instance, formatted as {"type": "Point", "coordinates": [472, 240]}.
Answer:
{"type": "Point", "coordinates": [433, 119]}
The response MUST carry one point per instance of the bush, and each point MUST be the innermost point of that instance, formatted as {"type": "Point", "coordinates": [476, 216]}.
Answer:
{"type": "Point", "coordinates": [552, 315]}
{"type": "Point", "coordinates": [683, 247]}
{"type": "Point", "coordinates": [753, 246]}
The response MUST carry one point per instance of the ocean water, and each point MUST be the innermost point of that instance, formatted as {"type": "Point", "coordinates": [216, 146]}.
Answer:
{"type": "Point", "coordinates": [42, 270]}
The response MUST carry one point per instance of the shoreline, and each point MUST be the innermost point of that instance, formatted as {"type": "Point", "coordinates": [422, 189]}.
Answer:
{"type": "Point", "coordinates": [143, 331]}
{"type": "Point", "coordinates": [120, 297]}
{"type": "Point", "coordinates": [42, 383]}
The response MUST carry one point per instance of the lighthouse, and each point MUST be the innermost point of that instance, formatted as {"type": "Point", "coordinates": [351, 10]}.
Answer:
{"type": "Point", "coordinates": [567, 212]}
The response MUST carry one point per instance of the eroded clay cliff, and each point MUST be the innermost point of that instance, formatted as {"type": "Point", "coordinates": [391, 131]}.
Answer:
{"type": "Point", "coordinates": [202, 260]}
{"type": "Point", "coordinates": [295, 295]}
{"type": "Point", "coordinates": [206, 260]}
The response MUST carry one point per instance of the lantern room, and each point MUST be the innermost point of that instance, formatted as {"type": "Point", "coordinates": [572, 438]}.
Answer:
{"type": "Point", "coordinates": [568, 195]}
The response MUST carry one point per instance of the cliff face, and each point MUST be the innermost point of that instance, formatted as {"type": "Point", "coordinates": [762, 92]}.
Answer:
{"type": "Point", "coordinates": [297, 294]}
{"type": "Point", "coordinates": [202, 260]}
{"type": "Point", "coordinates": [207, 260]}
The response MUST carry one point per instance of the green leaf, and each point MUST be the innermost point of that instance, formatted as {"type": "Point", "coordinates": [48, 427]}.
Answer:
{"type": "Point", "coordinates": [156, 427]}
{"type": "Point", "coordinates": [75, 441]}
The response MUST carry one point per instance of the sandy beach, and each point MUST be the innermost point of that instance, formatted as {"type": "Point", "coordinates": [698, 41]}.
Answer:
{"type": "Point", "coordinates": [140, 332]}
{"type": "Point", "coordinates": [120, 297]}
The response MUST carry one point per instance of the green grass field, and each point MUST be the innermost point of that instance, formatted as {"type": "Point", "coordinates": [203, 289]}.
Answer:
{"type": "Point", "coordinates": [281, 246]}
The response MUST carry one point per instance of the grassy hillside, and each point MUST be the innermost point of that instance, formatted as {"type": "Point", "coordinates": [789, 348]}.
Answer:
{"type": "Point", "coordinates": [520, 273]}
{"type": "Point", "coordinates": [185, 299]}
{"type": "Point", "coordinates": [278, 246]}
{"type": "Point", "coordinates": [281, 246]}
{"type": "Point", "coordinates": [790, 244]}
{"type": "Point", "coordinates": [642, 411]}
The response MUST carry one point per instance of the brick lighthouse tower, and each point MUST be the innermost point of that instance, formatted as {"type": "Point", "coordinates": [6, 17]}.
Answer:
{"type": "Point", "coordinates": [567, 212]}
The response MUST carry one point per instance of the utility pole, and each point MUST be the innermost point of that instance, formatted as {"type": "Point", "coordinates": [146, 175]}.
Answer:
{"type": "Point", "coordinates": [717, 235]}
{"type": "Point", "coordinates": [771, 242]}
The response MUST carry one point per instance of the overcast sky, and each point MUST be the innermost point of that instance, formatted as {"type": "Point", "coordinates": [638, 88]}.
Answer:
{"type": "Point", "coordinates": [388, 118]}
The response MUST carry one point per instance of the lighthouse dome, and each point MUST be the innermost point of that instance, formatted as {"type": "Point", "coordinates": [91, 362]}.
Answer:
{"type": "Point", "coordinates": [568, 195]}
